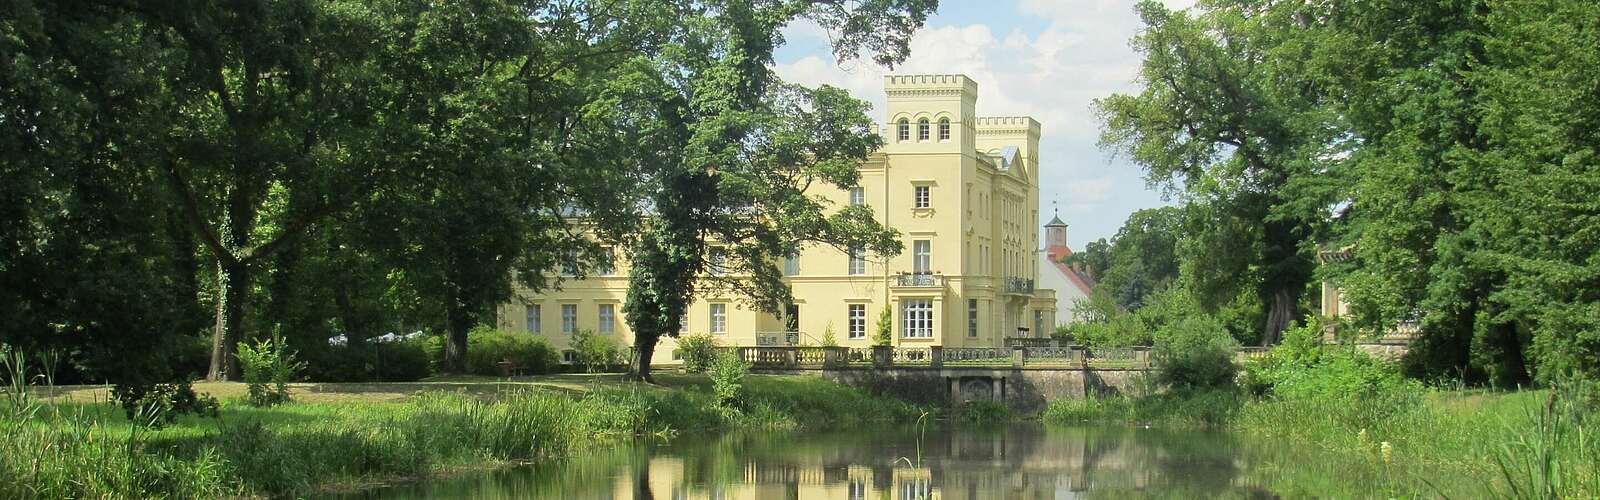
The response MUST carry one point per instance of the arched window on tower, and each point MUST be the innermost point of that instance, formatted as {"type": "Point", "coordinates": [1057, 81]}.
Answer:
{"type": "Point", "coordinates": [903, 132]}
{"type": "Point", "coordinates": [944, 129]}
{"type": "Point", "coordinates": [922, 129]}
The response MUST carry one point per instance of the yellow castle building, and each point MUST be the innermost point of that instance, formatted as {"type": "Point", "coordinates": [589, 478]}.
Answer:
{"type": "Point", "coordinates": [963, 192]}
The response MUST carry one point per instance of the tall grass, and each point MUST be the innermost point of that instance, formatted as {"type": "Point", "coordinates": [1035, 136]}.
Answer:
{"type": "Point", "coordinates": [90, 450]}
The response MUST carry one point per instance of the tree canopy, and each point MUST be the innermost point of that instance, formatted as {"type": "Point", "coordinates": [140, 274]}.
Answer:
{"type": "Point", "coordinates": [1448, 146]}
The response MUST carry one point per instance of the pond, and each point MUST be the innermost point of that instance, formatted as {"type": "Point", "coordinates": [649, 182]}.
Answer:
{"type": "Point", "coordinates": [1024, 460]}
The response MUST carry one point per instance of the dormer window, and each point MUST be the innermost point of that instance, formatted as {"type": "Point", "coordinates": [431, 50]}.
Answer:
{"type": "Point", "coordinates": [944, 129]}
{"type": "Point", "coordinates": [904, 130]}
{"type": "Point", "coordinates": [922, 129]}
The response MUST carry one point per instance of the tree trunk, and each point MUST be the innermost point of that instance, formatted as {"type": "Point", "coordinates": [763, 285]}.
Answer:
{"type": "Point", "coordinates": [457, 322]}
{"type": "Point", "coordinates": [1280, 313]}
{"type": "Point", "coordinates": [233, 279]}
{"type": "Point", "coordinates": [644, 346]}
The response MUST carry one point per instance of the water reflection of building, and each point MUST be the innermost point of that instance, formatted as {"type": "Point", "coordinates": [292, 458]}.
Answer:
{"type": "Point", "coordinates": [1022, 462]}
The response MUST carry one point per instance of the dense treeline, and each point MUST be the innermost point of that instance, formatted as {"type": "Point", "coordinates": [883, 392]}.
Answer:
{"type": "Point", "coordinates": [180, 177]}
{"type": "Point", "coordinates": [1448, 146]}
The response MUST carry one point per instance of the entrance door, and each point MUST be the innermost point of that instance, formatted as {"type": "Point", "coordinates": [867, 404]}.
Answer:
{"type": "Point", "coordinates": [791, 318]}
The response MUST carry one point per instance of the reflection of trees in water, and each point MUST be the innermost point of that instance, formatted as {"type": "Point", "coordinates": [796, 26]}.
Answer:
{"type": "Point", "coordinates": [1028, 461]}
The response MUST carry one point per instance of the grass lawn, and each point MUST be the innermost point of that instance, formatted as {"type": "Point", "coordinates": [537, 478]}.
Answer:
{"type": "Point", "coordinates": [391, 392]}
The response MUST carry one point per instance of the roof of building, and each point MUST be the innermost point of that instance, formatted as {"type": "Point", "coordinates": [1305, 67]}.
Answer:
{"type": "Point", "coordinates": [1058, 253]}
{"type": "Point", "coordinates": [1056, 222]}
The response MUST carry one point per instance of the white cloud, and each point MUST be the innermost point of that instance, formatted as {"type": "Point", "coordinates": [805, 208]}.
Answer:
{"type": "Point", "coordinates": [1052, 75]}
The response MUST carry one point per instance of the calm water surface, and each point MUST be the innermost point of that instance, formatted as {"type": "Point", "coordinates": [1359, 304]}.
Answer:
{"type": "Point", "coordinates": [954, 463]}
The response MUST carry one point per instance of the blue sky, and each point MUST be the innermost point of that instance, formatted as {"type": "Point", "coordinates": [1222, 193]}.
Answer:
{"type": "Point", "coordinates": [1042, 58]}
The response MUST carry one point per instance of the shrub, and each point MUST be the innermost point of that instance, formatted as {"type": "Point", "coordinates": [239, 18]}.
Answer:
{"type": "Point", "coordinates": [487, 347]}
{"type": "Point", "coordinates": [1089, 409]}
{"type": "Point", "coordinates": [269, 362]}
{"type": "Point", "coordinates": [595, 352]}
{"type": "Point", "coordinates": [698, 352]}
{"type": "Point", "coordinates": [371, 361]}
{"type": "Point", "coordinates": [1195, 352]}
{"type": "Point", "coordinates": [883, 331]}
{"type": "Point", "coordinates": [727, 379]}
{"type": "Point", "coordinates": [829, 339]}
{"type": "Point", "coordinates": [1303, 367]}
{"type": "Point", "coordinates": [984, 412]}
{"type": "Point", "coordinates": [159, 404]}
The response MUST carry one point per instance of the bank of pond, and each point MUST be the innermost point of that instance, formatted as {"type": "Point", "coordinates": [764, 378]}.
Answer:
{"type": "Point", "coordinates": [790, 433]}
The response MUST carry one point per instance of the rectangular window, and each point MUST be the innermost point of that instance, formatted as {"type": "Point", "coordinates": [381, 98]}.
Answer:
{"type": "Point", "coordinates": [858, 196]}
{"type": "Point", "coordinates": [903, 130]}
{"type": "Point", "coordinates": [922, 256]}
{"type": "Point", "coordinates": [922, 130]}
{"type": "Point", "coordinates": [944, 130]}
{"type": "Point", "coordinates": [608, 318]}
{"type": "Point", "coordinates": [1038, 324]}
{"type": "Point", "coordinates": [533, 318]}
{"type": "Point", "coordinates": [918, 323]}
{"type": "Point", "coordinates": [719, 318]}
{"type": "Point", "coordinates": [858, 262]}
{"type": "Point", "coordinates": [569, 318]}
{"type": "Point", "coordinates": [791, 265]}
{"type": "Point", "coordinates": [923, 196]}
{"type": "Point", "coordinates": [858, 321]}
{"type": "Point", "coordinates": [972, 318]}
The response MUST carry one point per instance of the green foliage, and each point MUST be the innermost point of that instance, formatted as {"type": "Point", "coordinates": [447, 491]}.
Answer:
{"type": "Point", "coordinates": [1210, 408]}
{"type": "Point", "coordinates": [596, 352]}
{"type": "Point", "coordinates": [159, 404]}
{"type": "Point", "coordinates": [371, 361]}
{"type": "Point", "coordinates": [983, 412]}
{"type": "Point", "coordinates": [727, 374]}
{"type": "Point", "coordinates": [1142, 259]}
{"type": "Point", "coordinates": [698, 352]}
{"type": "Point", "coordinates": [268, 362]}
{"type": "Point", "coordinates": [883, 329]}
{"type": "Point", "coordinates": [829, 339]}
{"type": "Point", "coordinates": [1101, 322]}
{"type": "Point", "coordinates": [731, 151]}
{"type": "Point", "coordinates": [1194, 353]}
{"type": "Point", "coordinates": [487, 347]}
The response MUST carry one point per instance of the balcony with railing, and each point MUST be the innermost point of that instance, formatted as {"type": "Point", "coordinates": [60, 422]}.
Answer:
{"type": "Point", "coordinates": [1018, 286]}
{"type": "Point", "coordinates": [919, 280]}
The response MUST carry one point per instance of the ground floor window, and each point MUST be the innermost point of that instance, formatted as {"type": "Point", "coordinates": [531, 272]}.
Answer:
{"type": "Point", "coordinates": [533, 318]}
{"type": "Point", "coordinates": [918, 322]}
{"type": "Point", "coordinates": [608, 318]}
{"type": "Point", "coordinates": [858, 321]}
{"type": "Point", "coordinates": [569, 318]}
{"type": "Point", "coordinates": [719, 318]}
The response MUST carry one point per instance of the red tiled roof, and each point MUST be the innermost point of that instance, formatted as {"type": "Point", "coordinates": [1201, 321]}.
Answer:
{"type": "Point", "coordinates": [1057, 254]}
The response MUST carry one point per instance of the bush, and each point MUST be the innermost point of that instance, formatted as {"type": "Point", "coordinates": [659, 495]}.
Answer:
{"type": "Point", "coordinates": [883, 331]}
{"type": "Point", "coordinates": [984, 412]}
{"type": "Point", "coordinates": [1195, 352]}
{"type": "Point", "coordinates": [487, 347]}
{"type": "Point", "coordinates": [698, 352]}
{"type": "Point", "coordinates": [371, 361]}
{"type": "Point", "coordinates": [1302, 367]}
{"type": "Point", "coordinates": [158, 404]}
{"type": "Point", "coordinates": [595, 353]}
{"type": "Point", "coordinates": [727, 379]}
{"type": "Point", "coordinates": [269, 362]}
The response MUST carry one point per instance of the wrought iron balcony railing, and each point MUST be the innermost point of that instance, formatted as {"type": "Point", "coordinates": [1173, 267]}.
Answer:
{"type": "Point", "coordinates": [1018, 285]}
{"type": "Point", "coordinates": [919, 280]}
